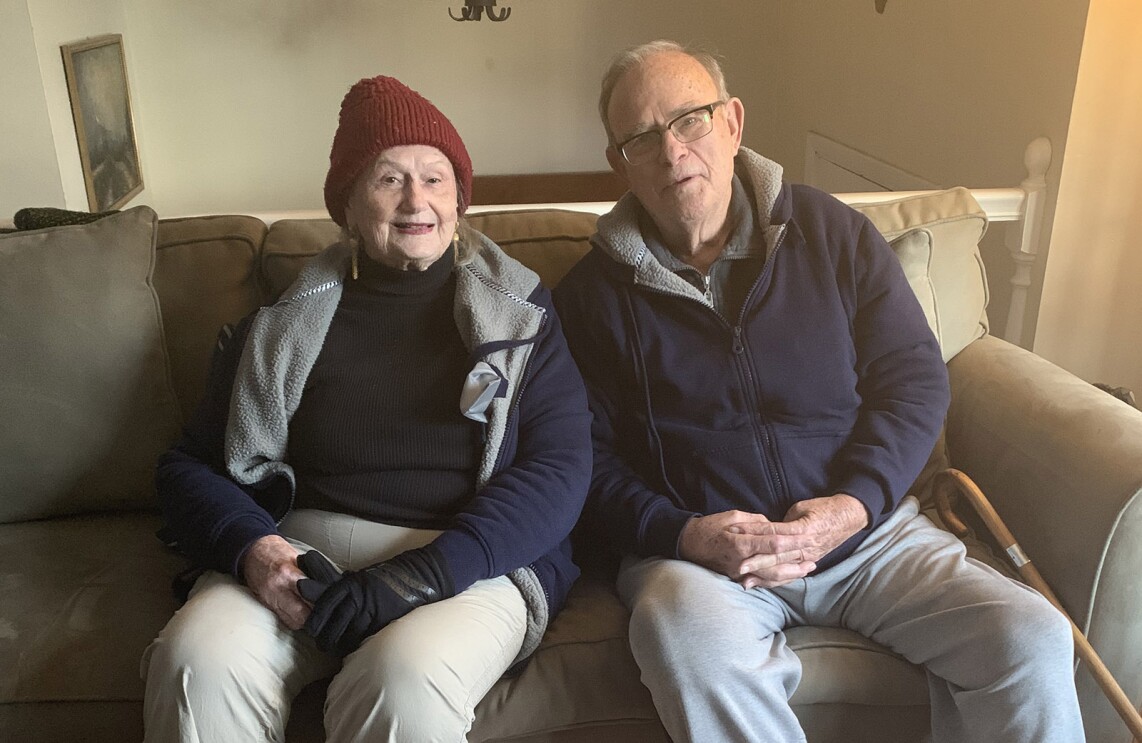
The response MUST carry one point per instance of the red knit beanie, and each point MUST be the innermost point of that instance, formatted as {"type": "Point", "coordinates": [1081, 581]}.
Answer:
{"type": "Point", "coordinates": [380, 113]}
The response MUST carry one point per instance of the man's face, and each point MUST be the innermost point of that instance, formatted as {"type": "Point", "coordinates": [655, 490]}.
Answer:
{"type": "Point", "coordinates": [685, 186]}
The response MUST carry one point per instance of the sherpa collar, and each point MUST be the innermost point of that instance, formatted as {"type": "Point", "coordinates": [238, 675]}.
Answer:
{"type": "Point", "coordinates": [619, 235]}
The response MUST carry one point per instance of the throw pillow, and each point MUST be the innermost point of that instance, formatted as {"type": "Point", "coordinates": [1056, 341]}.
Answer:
{"type": "Point", "coordinates": [39, 217]}
{"type": "Point", "coordinates": [936, 237]}
{"type": "Point", "coordinates": [85, 391]}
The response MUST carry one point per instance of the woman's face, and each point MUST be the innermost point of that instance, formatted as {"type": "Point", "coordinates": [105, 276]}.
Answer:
{"type": "Point", "coordinates": [404, 207]}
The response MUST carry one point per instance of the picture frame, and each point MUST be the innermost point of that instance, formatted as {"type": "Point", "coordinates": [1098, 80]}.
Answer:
{"type": "Point", "coordinates": [96, 74]}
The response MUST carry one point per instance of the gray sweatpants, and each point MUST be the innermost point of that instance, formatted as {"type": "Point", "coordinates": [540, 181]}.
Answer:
{"type": "Point", "coordinates": [225, 669]}
{"type": "Point", "coordinates": [999, 657]}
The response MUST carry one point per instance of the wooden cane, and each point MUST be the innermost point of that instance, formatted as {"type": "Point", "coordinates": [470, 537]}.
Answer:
{"type": "Point", "coordinates": [954, 478]}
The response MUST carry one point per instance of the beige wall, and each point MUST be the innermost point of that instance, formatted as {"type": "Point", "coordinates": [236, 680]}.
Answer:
{"type": "Point", "coordinates": [1092, 295]}
{"type": "Point", "coordinates": [239, 99]}
{"type": "Point", "coordinates": [950, 91]}
{"type": "Point", "coordinates": [236, 100]}
{"type": "Point", "coordinates": [56, 22]}
{"type": "Point", "coordinates": [29, 173]}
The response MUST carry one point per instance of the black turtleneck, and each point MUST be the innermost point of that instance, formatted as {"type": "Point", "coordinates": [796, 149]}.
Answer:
{"type": "Point", "coordinates": [378, 433]}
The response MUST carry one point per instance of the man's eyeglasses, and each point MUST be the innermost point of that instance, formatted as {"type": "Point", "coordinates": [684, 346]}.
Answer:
{"type": "Point", "coordinates": [694, 124]}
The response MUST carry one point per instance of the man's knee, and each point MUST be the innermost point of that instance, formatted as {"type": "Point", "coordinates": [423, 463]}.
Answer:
{"type": "Point", "coordinates": [668, 595]}
{"type": "Point", "coordinates": [676, 603]}
{"type": "Point", "coordinates": [1047, 629]}
{"type": "Point", "coordinates": [1028, 631]}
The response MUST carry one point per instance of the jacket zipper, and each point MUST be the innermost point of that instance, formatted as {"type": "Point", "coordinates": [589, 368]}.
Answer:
{"type": "Point", "coordinates": [761, 428]}
{"type": "Point", "coordinates": [761, 431]}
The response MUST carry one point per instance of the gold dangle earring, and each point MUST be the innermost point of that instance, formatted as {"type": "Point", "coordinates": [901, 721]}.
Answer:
{"type": "Point", "coordinates": [355, 245]}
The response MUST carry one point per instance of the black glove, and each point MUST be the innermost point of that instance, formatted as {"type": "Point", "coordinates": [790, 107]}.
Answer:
{"type": "Point", "coordinates": [352, 606]}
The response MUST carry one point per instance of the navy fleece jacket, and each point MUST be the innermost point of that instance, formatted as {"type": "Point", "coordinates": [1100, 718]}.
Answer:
{"type": "Point", "coordinates": [829, 381]}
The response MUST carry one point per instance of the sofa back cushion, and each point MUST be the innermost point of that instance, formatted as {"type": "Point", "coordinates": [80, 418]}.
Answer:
{"type": "Point", "coordinates": [936, 237]}
{"type": "Point", "coordinates": [206, 276]}
{"type": "Point", "coordinates": [549, 241]}
{"type": "Point", "coordinates": [289, 244]}
{"type": "Point", "coordinates": [85, 393]}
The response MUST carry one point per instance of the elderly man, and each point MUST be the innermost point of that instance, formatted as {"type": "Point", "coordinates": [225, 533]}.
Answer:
{"type": "Point", "coordinates": [765, 389]}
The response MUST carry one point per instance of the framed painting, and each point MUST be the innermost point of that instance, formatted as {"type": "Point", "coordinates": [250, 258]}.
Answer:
{"type": "Point", "coordinates": [104, 127]}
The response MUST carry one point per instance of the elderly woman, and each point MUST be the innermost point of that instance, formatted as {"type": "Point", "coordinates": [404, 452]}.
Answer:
{"type": "Point", "coordinates": [383, 474]}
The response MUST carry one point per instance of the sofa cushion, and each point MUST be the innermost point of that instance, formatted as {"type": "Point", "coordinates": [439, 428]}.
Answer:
{"type": "Point", "coordinates": [289, 244]}
{"type": "Point", "coordinates": [936, 237]}
{"type": "Point", "coordinates": [584, 674]}
{"type": "Point", "coordinates": [548, 241]}
{"type": "Point", "coordinates": [84, 596]}
{"type": "Point", "coordinates": [206, 276]}
{"type": "Point", "coordinates": [85, 392]}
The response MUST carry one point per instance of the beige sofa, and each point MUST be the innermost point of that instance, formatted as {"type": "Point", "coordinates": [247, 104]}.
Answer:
{"type": "Point", "coordinates": [107, 329]}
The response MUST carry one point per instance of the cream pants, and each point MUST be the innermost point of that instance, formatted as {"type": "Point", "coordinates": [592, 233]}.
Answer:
{"type": "Point", "coordinates": [225, 669]}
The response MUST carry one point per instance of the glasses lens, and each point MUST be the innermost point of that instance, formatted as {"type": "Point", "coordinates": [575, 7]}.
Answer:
{"type": "Point", "coordinates": [641, 148]}
{"type": "Point", "coordinates": [686, 128]}
{"type": "Point", "coordinates": [693, 125]}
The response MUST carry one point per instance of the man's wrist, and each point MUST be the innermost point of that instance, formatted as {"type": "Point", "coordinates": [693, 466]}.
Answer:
{"type": "Point", "coordinates": [860, 515]}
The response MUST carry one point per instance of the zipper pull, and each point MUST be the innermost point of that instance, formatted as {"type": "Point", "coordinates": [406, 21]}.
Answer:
{"type": "Point", "coordinates": [739, 347]}
{"type": "Point", "coordinates": [709, 292]}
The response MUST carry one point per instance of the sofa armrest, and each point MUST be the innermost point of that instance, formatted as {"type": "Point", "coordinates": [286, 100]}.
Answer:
{"type": "Point", "coordinates": [1062, 463]}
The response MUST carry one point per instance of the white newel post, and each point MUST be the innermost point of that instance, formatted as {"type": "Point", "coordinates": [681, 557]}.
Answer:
{"type": "Point", "coordinates": [1023, 236]}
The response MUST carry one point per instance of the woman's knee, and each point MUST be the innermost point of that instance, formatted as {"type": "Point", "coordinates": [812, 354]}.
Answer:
{"type": "Point", "coordinates": [219, 639]}
{"type": "Point", "coordinates": [397, 688]}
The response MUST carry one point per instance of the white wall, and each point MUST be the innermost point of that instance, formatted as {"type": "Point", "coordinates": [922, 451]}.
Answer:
{"type": "Point", "coordinates": [1092, 296]}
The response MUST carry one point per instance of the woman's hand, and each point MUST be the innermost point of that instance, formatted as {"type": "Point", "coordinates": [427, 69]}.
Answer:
{"type": "Point", "coordinates": [350, 607]}
{"type": "Point", "coordinates": [270, 570]}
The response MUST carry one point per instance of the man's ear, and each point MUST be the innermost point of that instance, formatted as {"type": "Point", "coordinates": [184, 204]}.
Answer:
{"type": "Point", "coordinates": [735, 120]}
{"type": "Point", "coordinates": [618, 163]}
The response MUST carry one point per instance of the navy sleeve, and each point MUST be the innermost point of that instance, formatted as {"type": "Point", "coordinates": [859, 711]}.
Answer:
{"type": "Point", "coordinates": [208, 516]}
{"type": "Point", "coordinates": [903, 383]}
{"type": "Point", "coordinates": [623, 511]}
{"type": "Point", "coordinates": [530, 504]}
